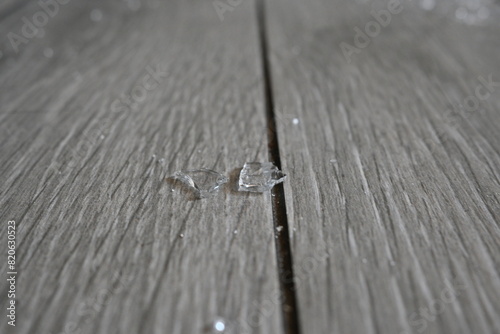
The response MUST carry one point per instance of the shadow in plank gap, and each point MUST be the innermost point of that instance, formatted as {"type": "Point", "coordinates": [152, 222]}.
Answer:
{"type": "Point", "coordinates": [283, 251]}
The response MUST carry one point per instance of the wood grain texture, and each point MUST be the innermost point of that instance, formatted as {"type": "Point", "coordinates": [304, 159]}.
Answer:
{"type": "Point", "coordinates": [393, 202]}
{"type": "Point", "coordinates": [105, 244]}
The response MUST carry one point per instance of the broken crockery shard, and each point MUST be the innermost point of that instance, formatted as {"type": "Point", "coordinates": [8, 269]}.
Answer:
{"type": "Point", "coordinates": [259, 177]}
{"type": "Point", "coordinates": [204, 182]}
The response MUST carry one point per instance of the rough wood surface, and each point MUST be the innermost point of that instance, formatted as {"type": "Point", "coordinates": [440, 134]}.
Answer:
{"type": "Point", "coordinates": [393, 202]}
{"type": "Point", "coordinates": [393, 194]}
{"type": "Point", "coordinates": [104, 243]}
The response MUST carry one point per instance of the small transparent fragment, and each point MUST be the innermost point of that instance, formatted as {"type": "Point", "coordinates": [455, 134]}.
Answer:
{"type": "Point", "coordinates": [259, 177]}
{"type": "Point", "coordinates": [204, 182]}
{"type": "Point", "coordinates": [220, 325]}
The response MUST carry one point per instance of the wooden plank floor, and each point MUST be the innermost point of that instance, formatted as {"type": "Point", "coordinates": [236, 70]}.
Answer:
{"type": "Point", "coordinates": [104, 244]}
{"type": "Point", "coordinates": [388, 221]}
{"type": "Point", "coordinates": [393, 202]}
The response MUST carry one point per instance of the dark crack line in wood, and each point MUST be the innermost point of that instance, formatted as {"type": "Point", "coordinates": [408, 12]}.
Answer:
{"type": "Point", "coordinates": [283, 249]}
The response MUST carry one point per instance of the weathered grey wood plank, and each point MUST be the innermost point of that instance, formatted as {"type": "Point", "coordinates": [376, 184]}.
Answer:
{"type": "Point", "coordinates": [104, 243]}
{"type": "Point", "coordinates": [393, 202]}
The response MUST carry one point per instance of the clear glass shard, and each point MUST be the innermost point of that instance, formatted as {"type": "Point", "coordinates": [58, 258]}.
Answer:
{"type": "Point", "coordinates": [204, 182]}
{"type": "Point", "coordinates": [259, 177]}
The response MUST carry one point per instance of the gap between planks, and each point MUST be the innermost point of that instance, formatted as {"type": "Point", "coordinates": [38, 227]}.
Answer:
{"type": "Point", "coordinates": [282, 237]}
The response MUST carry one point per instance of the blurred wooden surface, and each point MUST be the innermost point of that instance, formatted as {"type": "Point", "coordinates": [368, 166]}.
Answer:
{"type": "Point", "coordinates": [392, 201]}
